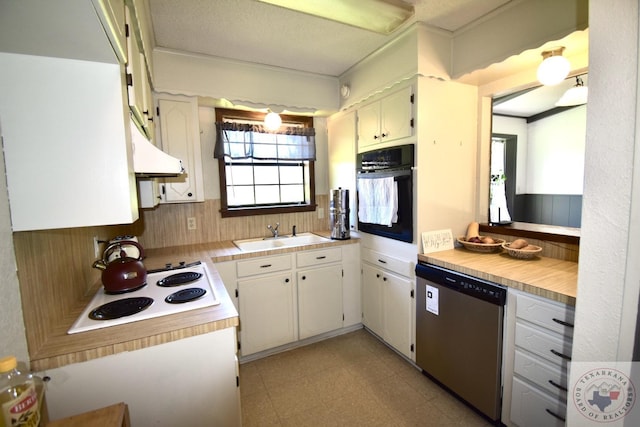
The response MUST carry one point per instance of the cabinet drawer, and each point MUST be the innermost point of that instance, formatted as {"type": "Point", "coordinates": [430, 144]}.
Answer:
{"type": "Point", "coordinates": [531, 407]}
{"type": "Point", "coordinates": [550, 346]}
{"type": "Point", "coordinates": [263, 265]}
{"type": "Point", "coordinates": [550, 377]}
{"type": "Point", "coordinates": [548, 314]}
{"type": "Point", "coordinates": [387, 262]}
{"type": "Point", "coordinates": [321, 256]}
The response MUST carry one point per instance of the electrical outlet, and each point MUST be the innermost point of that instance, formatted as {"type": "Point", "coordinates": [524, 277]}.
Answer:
{"type": "Point", "coordinates": [96, 246]}
{"type": "Point", "coordinates": [191, 223]}
{"type": "Point", "coordinates": [320, 213]}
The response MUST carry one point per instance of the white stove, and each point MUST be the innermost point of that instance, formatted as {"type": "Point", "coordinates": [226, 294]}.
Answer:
{"type": "Point", "coordinates": [168, 291]}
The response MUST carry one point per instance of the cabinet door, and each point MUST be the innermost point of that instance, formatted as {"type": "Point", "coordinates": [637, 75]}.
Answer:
{"type": "Point", "coordinates": [319, 300]}
{"type": "Point", "coordinates": [396, 297]}
{"type": "Point", "coordinates": [369, 124]}
{"type": "Point", "coordinates": [267, 312]}
{"type": "Point", "coordinates": [372, 299]}
{"type": "Point", "coordinates": [112, 17]}
{"type": "Point", "coordinates": [396, 113]}
{"type": "Point", "coordinates": [135, 76]}
{"type": "Point", "coordinates": [180, 137]}
{"type": "Point", "coordinates": [351, 285]}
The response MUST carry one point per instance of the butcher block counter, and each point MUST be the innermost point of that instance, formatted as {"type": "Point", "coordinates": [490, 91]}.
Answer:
{"type": "Point", "coordinates": [547, 277]}
{"type": "Point", "coordinates": [61, 349]}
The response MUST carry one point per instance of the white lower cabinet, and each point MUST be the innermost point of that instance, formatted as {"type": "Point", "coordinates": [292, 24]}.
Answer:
{"type": "Point", "coordinates": [267, 312]}
{"type": "Point", "coordinates": [387, 301]}
{"type": "Point", "coordinates": [285, 298]}
{"type": "Point", "coordinates": [319, 300]}
{"type": "Point", "coordinates": [537, 353]}
{"type": "Point", "coordinates": [188, 382]}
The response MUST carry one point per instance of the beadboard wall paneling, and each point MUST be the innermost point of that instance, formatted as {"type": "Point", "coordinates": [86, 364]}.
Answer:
{"type": "Point", "coordinates": [166, 225]}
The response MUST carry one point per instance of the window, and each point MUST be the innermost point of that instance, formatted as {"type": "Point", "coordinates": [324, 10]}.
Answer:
{"type": "Point", "coordinates": [264, 172]}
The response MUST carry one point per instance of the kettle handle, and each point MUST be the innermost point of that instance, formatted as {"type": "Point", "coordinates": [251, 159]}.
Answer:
{"type": "Point", "coordinates": [119, 244]}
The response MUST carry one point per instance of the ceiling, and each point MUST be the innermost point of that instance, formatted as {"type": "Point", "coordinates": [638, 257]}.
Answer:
{"type": "Point", "coordinates": [248, 30]}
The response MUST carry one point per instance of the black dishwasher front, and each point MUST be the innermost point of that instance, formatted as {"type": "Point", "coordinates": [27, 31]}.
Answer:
{"type": "Point", "coordinates": [459, 323]}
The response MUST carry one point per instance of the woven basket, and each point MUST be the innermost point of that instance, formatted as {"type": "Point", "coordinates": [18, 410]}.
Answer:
{"type": "Point", "coordinates": [521, 253]}
{"type": "Point", "coordinates": [481, 247]}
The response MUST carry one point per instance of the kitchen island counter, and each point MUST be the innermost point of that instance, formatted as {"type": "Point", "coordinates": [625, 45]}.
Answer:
{"type": "Point", "coordinates": [547, 277]}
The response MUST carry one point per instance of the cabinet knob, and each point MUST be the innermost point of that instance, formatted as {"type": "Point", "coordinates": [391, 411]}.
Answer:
{"type": "Point", "coordinates": [304, 277]}
{"type": "Point", "coordinates": [378, 276]}
{"type": "Point", "coordinates": [286, 280]}
{"type": "Point", "coordinates": [375, 137]}
{"type": "Point", "coordinates": [384, 135]}
{"type": "Point", "coordinates": [384, 279]}
{"type": "Point", "coordinates": [190, 194]}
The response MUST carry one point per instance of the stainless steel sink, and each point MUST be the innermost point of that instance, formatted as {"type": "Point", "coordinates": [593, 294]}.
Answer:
{"type": "Point", "coordinates": [266, 243]}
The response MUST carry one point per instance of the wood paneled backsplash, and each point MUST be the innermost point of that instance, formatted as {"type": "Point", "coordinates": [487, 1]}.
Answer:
{"type": "Point", "coordinates": [167, 224]}
{"type": "Point", "coordinates": [55, 266]}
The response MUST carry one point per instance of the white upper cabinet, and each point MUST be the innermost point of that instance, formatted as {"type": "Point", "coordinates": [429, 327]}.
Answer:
{"type": "Point", "coordinates": [180, 137]}
{"type": "Point", "coordinates": [65, 123]}
{"type": "Point", "coordinates": [385, 120]}
{"type": "Point", "coordinates": [112, 16]}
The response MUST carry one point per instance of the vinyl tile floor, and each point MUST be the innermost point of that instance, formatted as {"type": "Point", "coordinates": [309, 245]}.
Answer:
{"type": "Point", "coordinates": [349, 380]}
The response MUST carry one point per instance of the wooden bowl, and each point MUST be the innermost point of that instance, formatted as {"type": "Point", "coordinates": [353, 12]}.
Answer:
{"type": "Point", "coordinates": [521, 253]}
{"type": "Point", "coordinates": [481, 247]}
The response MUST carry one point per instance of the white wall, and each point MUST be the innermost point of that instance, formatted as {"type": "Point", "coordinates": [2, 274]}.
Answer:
{"type": "Point", "coordinates": [609, 272]}
{"type": "Point", "coordinates": [550, 153]}
{"type": "Point", "coordinates": [555, 153]}
{"type": "Point", "coordinates": [12, 336]}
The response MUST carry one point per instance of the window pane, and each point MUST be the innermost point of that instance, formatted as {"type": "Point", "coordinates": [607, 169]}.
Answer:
{"type": "Point", "coordinates": [291, 175]}
{"type": "Point", "coordinates": [266, 174]}
{"type": "Point", "coordinates": [240, 195]}
{"type": "Point", "coordinates": [239, 175]}
{"type": "Point", "coordinates": [292, 193]}
{"type": "Point", "coordinates": [267, 194]}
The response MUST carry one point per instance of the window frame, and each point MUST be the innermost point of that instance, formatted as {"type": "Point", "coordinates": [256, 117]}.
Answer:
{"type": "Point", "coordinates": [225, 211]}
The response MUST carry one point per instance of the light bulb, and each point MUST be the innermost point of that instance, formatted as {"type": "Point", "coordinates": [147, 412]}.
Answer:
{"type": "Point", "coordinates": [272, 121]}
{"type": "Point", "coordinates": [554, 68]}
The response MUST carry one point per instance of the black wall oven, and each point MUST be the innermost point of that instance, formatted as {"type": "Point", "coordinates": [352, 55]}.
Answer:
{"type": "Point", "coordinates": [397, 163]}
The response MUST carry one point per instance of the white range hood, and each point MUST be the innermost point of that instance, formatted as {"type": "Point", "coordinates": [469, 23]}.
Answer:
{"type": "Point", "coordinates": [149, 160]}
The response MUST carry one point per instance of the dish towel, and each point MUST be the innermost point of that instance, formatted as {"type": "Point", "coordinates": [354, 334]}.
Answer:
{"type": "Point", "coordinates": [378, 201]}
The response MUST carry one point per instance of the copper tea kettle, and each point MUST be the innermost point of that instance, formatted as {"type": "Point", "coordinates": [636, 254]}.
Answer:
{"type": "Point", "coordinates": [122, 274]}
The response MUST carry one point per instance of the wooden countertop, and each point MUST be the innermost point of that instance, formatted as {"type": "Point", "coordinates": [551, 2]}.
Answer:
{"type": "Point", "coordinates": [63, 349]}
{"type": "Point", "coordinates": [547, 277]}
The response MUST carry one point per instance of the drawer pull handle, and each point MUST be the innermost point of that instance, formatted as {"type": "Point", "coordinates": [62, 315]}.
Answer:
{"type": "Point", "coordinates": [381, 261]}
{"type": "Point", "coordinates": [321, 257]}
{"type": "Point", "coordinates": [557, 353]}
{"type": "Point", "coordinates": [265, 266]}
{"type": "Point", "coordinates": [553, 383]}
{"type": "Point", "coordinates": [555, 415]}
{"type": "Point", "coordinates": [563, 323]}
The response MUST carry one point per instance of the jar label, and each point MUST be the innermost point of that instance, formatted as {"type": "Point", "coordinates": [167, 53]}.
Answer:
{"type": "Point", "coordinates": [22, 411]}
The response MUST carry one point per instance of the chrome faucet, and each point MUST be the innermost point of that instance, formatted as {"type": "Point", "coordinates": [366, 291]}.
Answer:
{"type": "Point", "coordinates": [274, 231]}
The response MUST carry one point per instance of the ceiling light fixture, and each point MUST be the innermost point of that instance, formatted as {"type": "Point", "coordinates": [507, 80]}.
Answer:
{"type": "Point", "coordinates": [554, 67]}
{"type": "Point", "coordinates": [272, 121]}
{"type": "Point", "coordinates": [381, 16]}
{"type": "Point", "coordinates": [576, 95]}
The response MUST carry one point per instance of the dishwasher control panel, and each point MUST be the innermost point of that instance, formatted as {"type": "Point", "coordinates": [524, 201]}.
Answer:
{"type": "Point", "coordinates": [476, 287]}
